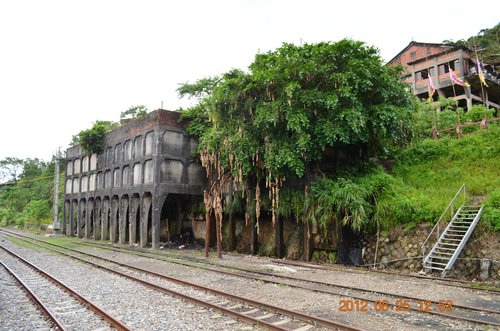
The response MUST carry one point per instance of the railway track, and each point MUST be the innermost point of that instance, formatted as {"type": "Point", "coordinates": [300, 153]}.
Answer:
{"type": "Point", "coordinates": [250, 311]}
{"type": "Point", "coordinates": [465, 313]}
{"type": "Point", "coordinates": [357, 269]}
{"type": "Point", "coordinates": [62, 306]}
{"type": "Point", "coordinates": [480, 315]}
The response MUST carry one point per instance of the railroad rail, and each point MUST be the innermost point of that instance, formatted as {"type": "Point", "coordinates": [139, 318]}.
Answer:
{"type": "Point", "coordinates": [53, 320]}
{"type": "Point", "coordinates": [462, 313]}
{"type": "Point", "coordinates": [244, 309]}
{"type": "Point", "coordinates": [38, 285]}
{"type": "Point", "coordinates": [361, 269]}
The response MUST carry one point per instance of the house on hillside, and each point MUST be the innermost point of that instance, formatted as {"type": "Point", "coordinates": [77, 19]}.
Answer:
{"type": "Point", "coordinates": [422, 60]}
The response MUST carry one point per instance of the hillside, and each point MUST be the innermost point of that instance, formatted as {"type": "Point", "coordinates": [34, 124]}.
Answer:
{"type": "Point", "coordinates": [429, 173]}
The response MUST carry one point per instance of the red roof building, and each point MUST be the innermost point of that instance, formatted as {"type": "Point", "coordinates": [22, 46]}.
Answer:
{"type": "Point", "coordinates": [422, 60]}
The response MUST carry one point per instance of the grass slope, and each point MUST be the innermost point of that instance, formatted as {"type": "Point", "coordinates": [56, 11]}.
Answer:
{"type": "Point", "coordinates": [431, 172]}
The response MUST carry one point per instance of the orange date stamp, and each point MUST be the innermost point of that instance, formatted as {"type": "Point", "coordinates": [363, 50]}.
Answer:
{"type": "Point", "coordinates": [356, 305]}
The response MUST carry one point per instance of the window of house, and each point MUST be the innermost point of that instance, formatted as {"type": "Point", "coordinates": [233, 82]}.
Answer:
{"type": "Point", "coordinates": [432, 72]}
{"type": "Point", "coordinates": [418, 75]}
{"type": "Point", "coordinates": [413, 54]}
{"type": "Point", "coordinates": [443, 68]}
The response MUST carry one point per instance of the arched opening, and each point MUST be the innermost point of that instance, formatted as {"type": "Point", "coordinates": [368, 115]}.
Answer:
{"type": "Point", "coordinates": [108, 224]}
{"type": "Point", "coordinates": [135, 219]}
{"type": "Point", "coordinates": [178, 221]}
{"type": "Point", "coordinates": [137, 225]}
{"type": "Point", "coordinates": [127, 224]}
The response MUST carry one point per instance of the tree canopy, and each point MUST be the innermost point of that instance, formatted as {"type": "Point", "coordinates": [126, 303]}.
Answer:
{"type": "Point", "coordinates": [270, 123]}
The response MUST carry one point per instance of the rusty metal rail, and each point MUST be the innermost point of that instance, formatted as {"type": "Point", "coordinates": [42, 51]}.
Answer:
{"type": "Point", "coordinates": [314, 320]}
{"type": "Point", "coordinates": [438, 313]}
{"type": "Point", "coordinates": [45, 310]}
{"type": "Point", "coordinates": [105, 316]}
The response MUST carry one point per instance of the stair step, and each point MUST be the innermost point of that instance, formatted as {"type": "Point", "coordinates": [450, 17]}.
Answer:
{"type": "Point", "coordinates": [448, 249]}
{"type": "Point", "coordinates": [445, 264]}
{"type": "Point", "coordinates": [447, 244]}
{"type": "Point", "coordinates": [439, 257]}
{"type": "Point", "coordinates": [444, 253]}
{"type": "Point", "coordinates": [435, 268]}
{"type": "Point", "coordinates": [451, 239]}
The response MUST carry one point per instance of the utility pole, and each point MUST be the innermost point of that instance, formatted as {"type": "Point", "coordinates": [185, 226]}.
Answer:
{"type": "Point", "coordinates": [55, 221]}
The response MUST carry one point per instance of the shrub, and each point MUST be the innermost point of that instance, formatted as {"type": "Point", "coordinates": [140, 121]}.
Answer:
{"type": "Point", "coordinates": [491, 211]}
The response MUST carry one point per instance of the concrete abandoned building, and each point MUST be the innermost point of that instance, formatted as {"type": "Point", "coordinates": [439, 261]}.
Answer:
{"type": "Point", "coordinates": [422, 60]}
{"type": "Point", "coordinates": [142, 188]}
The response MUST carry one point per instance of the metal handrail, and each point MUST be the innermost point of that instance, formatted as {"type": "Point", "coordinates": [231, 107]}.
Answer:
{"type": "Point", "coordinates": [450, 206]}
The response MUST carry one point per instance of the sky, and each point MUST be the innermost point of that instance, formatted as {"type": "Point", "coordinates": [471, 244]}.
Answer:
{"type": "Point", "coordinates": [65, 64]}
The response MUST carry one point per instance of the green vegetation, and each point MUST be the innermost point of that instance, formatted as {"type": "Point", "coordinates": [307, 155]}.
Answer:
{"type": "Point", "coordinates": [92, 140]}
{"type": "Point", "coordinates": [26, 199]}
{"type": "Point", "coordinates": [486, 43]}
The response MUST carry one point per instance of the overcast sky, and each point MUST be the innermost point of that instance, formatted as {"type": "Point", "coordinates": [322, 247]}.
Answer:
{"type": "Point", "coordinates": [65, 64]}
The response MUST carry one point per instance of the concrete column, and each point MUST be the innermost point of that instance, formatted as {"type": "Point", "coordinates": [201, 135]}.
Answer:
{"type": "Point", "coordinates": [97, 219]}
{"type": "Point", "coordinates": [104, 219]}
{"type": "Point", "coordinates": [278, 237]}
{"type": "Point", "coordinates": [64, 217]}
{"type": "Point", "coordinates": [469, 103]}
{"type": "Point", "coordinates": [114, 220]}
{"type": "Point", "coordinates": [144, 223]}
{"type": "Point", "coordinates": [71, 219]}
{"type": "Point", "coordinates": [156, 219]}
{"type": "Point", "coordinates": [88, 218]}
{"type": "Point", "coordinates": [79, 220]}
{"type": "Point", "coordinates": [124, 203]}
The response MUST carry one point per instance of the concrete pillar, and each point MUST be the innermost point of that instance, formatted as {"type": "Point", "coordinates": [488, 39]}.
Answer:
{"type": "Point", "coordinates": [79, 220]}
{"type": "Point", "coordinates": [124, 203]}
{"type": "Point", "coordinates": [104, 219]}
{"type": "Point", "coordinates": [156, 219]}
{"type": "Point", "coordinates": [88, 217]}
{"type": "Point", "coordinates": [64, 217]}
{"type": "Point", "coordinates": [278, 237]}
{"type": "Point", "coordinates": [136, 208]}
{"type": "Point", "coordinates": [72, 218]}
{"type": "Point", "coordinates": [469, 103]}
{"type": "Point", "coordinates": [114, 220]}
{"type": "Point", "coordinates": [144, 222]}
{"type": "Point", "coordinates": [97, 219]}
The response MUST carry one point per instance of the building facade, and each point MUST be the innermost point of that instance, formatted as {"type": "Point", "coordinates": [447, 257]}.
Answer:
{"type": "Point", "coordinates": [421, 60]}
{"type": "Point", "coordinates": [141, 189]}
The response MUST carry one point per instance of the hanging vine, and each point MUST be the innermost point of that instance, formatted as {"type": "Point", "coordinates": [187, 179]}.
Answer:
{"type": "Point", "coordinates": [260, 127]}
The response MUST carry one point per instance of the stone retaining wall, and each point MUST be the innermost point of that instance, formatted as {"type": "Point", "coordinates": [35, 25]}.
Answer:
{"type": "Point", "coordinates": [400, 249]}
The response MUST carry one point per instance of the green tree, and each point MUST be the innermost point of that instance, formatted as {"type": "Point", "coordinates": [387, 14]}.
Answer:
{"type": "Point", "coordinates": [271, 123]}
{"type": "Point", "coordinates": [133, 112]}
{"type": "Point", "coordinates": [10, 168]}
{"type": "Point", "coordinates": [92, 140]}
